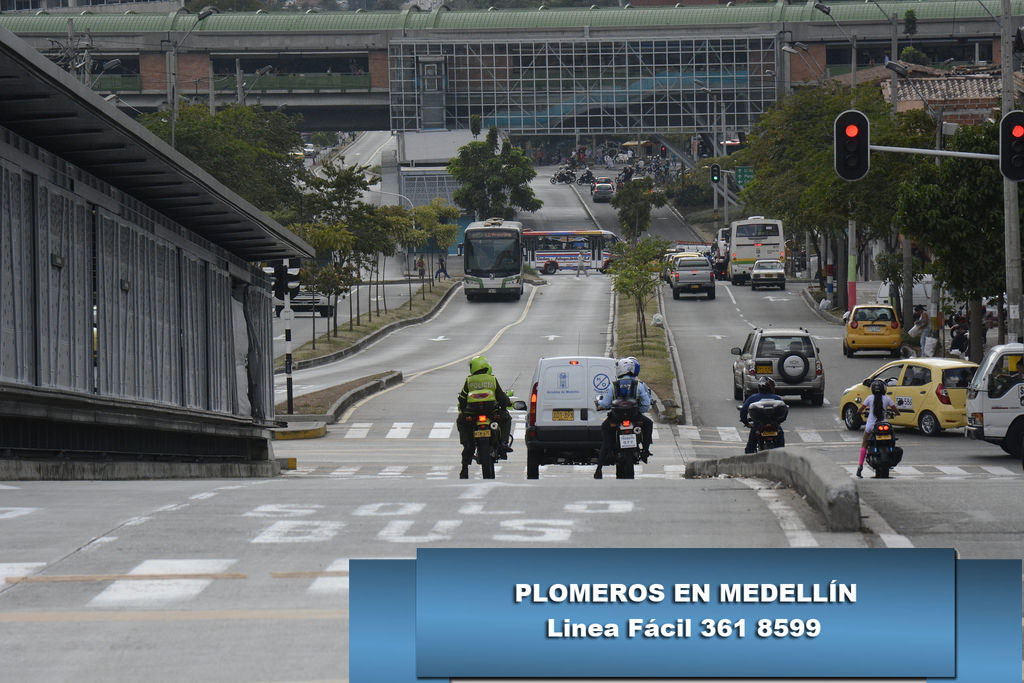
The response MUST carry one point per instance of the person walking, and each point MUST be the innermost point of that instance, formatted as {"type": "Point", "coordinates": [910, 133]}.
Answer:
{"type": "Point", "coordinates": [442, 269]}
{"type": "Point", "coordinates": [581, 263]}
{"type": "Point", "coordinates": [420, 267]}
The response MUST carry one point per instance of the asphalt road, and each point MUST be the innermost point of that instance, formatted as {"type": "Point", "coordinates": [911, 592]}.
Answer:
{"type": "Point", "coordinates": [240, 580]}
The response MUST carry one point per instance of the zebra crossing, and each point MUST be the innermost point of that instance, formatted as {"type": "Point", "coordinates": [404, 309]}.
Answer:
{"type": "Point", "coordinates": [721, 435]}
{"type": "Point", "coordinates": [649, 470]}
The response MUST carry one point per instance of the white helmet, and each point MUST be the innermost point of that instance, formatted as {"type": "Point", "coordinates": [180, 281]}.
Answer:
{"type": "Point", "coordinates": [623, 367]}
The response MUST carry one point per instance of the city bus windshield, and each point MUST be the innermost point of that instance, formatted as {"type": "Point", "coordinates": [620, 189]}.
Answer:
{"type": "Point", "coordinates": [757, 230]}
{"type": "Point", "coordinates": [494, 253]}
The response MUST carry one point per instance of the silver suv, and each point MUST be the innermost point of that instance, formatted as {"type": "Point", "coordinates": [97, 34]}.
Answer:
{"type": "Point", "coordinates": [787, 355]}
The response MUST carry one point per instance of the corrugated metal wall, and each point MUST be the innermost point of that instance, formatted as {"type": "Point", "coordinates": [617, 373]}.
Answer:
{"type": "Point", "coordinates": [17, 290]}
{"type": "Point", "coordinates": [64, 306]}
{"type": "Point", "coordinates": [116, 303]}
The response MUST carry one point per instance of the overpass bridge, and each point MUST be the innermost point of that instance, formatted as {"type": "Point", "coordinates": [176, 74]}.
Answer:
{"type": "Point", "coordinates": [598, 70]}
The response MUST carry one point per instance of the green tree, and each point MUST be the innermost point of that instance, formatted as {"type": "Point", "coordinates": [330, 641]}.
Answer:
{"type": "Point", "coordinates": [635, 274]}
{"type": "Point", "coordinates": [436, 225]}
{"type": "Point", "coordinates": [246, 148]}
{"type": "Point", "coordinates": [633, 203]}
{"type": "Point", "coordinates": [910, 22]}
{"type": "Point", "coordinates": [955, 209]}
{"type": "Point", "coordinates": [329, 273]}
{"type": "Point", "coordinates": [495, 178]}
{"type": "Point", "coordinates": [913, 55]}
{"type": "Point", "coordinates": [475, 124]}
{"type": "Point", "coordinates": [324, 138]}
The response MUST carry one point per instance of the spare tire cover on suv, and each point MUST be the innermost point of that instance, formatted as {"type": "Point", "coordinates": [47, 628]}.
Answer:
{"type": "Point", "coordinates": [793, 367]}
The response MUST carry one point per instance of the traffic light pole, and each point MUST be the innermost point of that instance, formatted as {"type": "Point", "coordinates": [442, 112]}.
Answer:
{"type": "Point", "coordinates": [1011, 209]}
{"type": "Point", "coordinates": [288, 314]}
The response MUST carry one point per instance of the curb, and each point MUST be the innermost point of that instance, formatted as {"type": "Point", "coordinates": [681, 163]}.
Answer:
{"type": "Point", "coordinates": [320, 422]}
{"type": "Point", "coordinates": [609, 346]}
{"type": "Point", "coordinates": [825, 484]}
{"type": "Point", "coordinates": [692, 226]}
{"type": "Point", "coordinates": [373, 336]}
{"type": "Point", "coordinates": [827, 317]}
{"type": "Point", "coordinates": [586, 208]}
{"type": "Point", "coordinates": [312, 431]}
{"type": "Point", "coordinates": [682, 397]}
{"type": "Point", "coordinates": [20, 469]}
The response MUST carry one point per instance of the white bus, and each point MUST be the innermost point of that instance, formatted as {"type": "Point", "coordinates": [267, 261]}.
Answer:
{"type": "Point", "coordinates": [751, 239]}
{"type": "Point", "coordinates": [552, 250]}
{"type": "Point", "coordinates": [493, 259]}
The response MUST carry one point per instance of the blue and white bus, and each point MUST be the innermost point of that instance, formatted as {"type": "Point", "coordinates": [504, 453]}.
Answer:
{"type": "Point", "coordinates": [493, 259]}
{"type": "Point", "coordinates": [552, 250]}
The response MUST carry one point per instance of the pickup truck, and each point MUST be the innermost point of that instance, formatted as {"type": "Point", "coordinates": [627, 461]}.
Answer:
{"type": "Point", "coordinates": [691, 275]}
{"type": "Point", "coordinates": [304, 300]}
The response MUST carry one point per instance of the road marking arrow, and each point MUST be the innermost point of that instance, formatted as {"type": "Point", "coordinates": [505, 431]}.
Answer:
{"type": "Point", "coordinates": [719, 337]}
{"type": "Point", "coordinates": [442, 338]}
{"type": "Point", "coordinates": [773, 299]}
{"type": "Point", "coordinates": [551, 337]}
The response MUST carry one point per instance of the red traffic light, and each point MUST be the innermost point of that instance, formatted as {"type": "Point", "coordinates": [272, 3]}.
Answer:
{"type": "Point", "coordinates": [1017, 131]}
{"type": "Point", "coordinates": [852, 130]}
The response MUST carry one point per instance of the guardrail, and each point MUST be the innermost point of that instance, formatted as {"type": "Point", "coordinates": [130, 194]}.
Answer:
{"type": "Point", "coordinates": [297, 82]}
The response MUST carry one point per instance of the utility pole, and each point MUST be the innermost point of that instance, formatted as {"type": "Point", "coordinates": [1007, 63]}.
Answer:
{"type": "Point", "coordinates": [1011, 210]}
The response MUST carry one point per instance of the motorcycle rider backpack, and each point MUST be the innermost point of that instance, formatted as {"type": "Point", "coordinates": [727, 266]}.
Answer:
{"type": "Point", "coordinates": [625, 387]}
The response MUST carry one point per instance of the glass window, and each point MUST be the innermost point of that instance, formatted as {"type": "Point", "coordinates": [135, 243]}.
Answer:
{"type": "Point", "coordinates": [917, 376]}
{"type": "Point", "coordinates": [768, 265]}
{"type": "Point", "coordinates": [778, 346]}
{"type": "Point", "coordinates": [757, 230]}
{"type": "Point", "coordinates": [691, 263]}
{"type": "Point", "coordinates": [957, 378]}
{"type": "Point", "coordinates": [1008, 372]}
{"type": "Point", "coordinates": [870, 314]}
{"type": "Point", "coordinates": [890, 374]}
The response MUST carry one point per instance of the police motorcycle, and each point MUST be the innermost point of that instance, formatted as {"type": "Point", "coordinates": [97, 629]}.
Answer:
{"type": "Point", "coordinates": [768, 414]}
{"type": "Point", "coordinates": [487, 446]}
{"type": "Point", "coordinates": [883, 454]}
{"type": "Point", "coordinates": [586, 177]}
{"type": "Point", "coordinates": [625, 436]}
{"type": "Point", "coordinates": [563, 175]}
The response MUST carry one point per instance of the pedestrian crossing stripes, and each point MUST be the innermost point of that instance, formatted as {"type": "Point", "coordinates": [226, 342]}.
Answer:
{"type": "Point", "coordinates": [162, 591]}
{"type": "Point", "coordinates": [670, 470]}
{"type": "Point", "coordinates": [687, 434]}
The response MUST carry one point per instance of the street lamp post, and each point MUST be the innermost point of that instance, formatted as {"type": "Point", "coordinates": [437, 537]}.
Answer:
{"type": "Point", "coordinates": [107, 66]}
{"type": "Point", "coordinates": [790, 49]}
{"type": "Point", "coordinates": [719, 147]}
{"type": "Point", "coordinates": [260, 73]}
{"type": "Point", "coordinates": [204, 13]}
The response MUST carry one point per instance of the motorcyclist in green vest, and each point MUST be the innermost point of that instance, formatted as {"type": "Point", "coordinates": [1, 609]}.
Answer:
{"type": "Point", "coordinates": [481, 393]}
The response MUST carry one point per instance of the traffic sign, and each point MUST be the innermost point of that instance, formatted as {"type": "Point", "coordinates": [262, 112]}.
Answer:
{"type": "Point", "coordinates": [744, 174]}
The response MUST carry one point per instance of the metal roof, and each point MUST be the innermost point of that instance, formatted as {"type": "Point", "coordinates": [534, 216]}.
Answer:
{"type": "Point", "coordinates": [48, 107]}
{"type": "Point", "coordinates": [503, 20]}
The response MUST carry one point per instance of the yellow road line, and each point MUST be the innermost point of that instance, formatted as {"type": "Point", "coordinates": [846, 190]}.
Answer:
{"type": "Point", "coordinates": [494, 340]}
{"type": "Point", "coordinates": [80, 578]}
{"type": "Point", "coordinates": [158, 615]}
{"type": "Point", "coordinates": [307, 575]}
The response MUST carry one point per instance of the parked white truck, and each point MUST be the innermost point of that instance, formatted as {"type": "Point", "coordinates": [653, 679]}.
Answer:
{"type": "Point", "coordinates": [995, 399]}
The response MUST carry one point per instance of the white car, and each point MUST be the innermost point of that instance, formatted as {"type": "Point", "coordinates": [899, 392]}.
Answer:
{"type": "Point", "coordinates": [562, 424]}
{"type": "Point", "coordinates": [767, 273]}
{"type": "Point", "coordinates": [309, 150]}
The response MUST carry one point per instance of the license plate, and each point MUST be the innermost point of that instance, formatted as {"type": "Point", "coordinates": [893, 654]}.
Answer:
{"type": "Point", "coordinates": [627, 440]}
{"type": "Point", "coordinates": [883, 438]}
{"type": "Point", "coordinates": [481, 433]}
{"type": "Point", "coordinates": [769, 433]}
{"type": "Point", "coordinates": [874, 328]}
{"type": "Point", "coordinates": [694, 286]}
{"type": "Point", "coordinates": [764, 369]}
{"type": "Point", "coordinates": [492, 291]}
{"type": "Point", "coordinates": [561, 415]}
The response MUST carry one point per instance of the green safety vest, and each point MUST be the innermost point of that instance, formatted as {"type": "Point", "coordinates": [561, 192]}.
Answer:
{"type": "Point", "coordinates": [480, 388]}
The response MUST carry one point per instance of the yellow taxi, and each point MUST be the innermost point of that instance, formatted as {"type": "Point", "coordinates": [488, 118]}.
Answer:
{"type": "Point", "coordinates": [929, 393]}
{"type": "Point", "coordinates": [872, 327]}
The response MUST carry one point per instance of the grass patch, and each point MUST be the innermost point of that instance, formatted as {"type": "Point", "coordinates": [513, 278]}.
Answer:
{"type": "Point", "coordinates": [422, 303]}
{"type": "Point", "coordinates": [319, 402]}
{"type": "Point", "coordinates": [655, 366]}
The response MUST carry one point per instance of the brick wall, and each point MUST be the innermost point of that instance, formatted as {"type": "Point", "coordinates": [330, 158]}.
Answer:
{"type": "Point", "coordinates": [805, 70]}
{"type": "Point", "coordinates": [153, 68]}
{"type": "Point", "coordinates": [379, 69]}
{"type": "Point", "coordinates": [192, 67]}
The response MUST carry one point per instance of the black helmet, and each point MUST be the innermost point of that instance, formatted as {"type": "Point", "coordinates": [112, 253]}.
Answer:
{"type": "Point", "coordinates": [878, 387]}
{"type": "Point", "coordinates": [766, 385]}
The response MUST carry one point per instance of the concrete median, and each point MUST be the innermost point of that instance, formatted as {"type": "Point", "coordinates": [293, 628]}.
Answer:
{"type": "Point", "coordinates": [824, 483]}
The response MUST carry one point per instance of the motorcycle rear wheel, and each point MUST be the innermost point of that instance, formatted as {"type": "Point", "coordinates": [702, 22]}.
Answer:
{"type": "Point", "coordinates": [624, 467]}
{"type": "Point", "coordinates": [483, 456]}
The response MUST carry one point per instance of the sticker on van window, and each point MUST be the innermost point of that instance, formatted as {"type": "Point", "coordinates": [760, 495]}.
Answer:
{"type": "Point", "coordinates": [602, 382]}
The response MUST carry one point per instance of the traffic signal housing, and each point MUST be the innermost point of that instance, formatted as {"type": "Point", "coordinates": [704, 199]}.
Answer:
{"type": "Point", "coordinates": [852, 145]}
{"type": "Point", "coordinates": [664, 152]}
{"type": "Point", "coordinates": [716, 173]}
{"type": "Point", "coordinates": [1011, 146]}
{"type": "Point", "coordinates": [286, 277]}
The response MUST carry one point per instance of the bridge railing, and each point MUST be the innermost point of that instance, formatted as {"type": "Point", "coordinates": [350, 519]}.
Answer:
{"type": "Point", "coordinates": [282, 82]}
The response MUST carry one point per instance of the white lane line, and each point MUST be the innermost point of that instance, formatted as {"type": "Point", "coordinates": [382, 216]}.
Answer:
{"type": "Point", "coordinates": [393, 471]}
{"type": "Point", "coordinates": [951, 469]}
{"type": "Point", "coordinates": [344, 472]}
{"type": "Point", "coordinates": [203, 496]}
{"type": "Point", "coordinates": [675, 470]}
{"type": "Point", "coordinates": [441, 430]}
{"type": "Point", "coordinates": [850, 437]}
{"type": "Point", "coordinates": [729, 434]}
{"type": "Point", "coordinates": [877, 523]}
{"type": "Point", "coordinates": [654, 434]}
{"type": "Point", "coordinates": [358, 430]}
{"type": "Point", "coordinates": [440, 471]}
{"type": "Point", "coordinates": [809, 435]}
{"type": "Point", "coordinates": [826, 402]}
{"type": "Point", "coordinates": [789, 521]}
{"type": "Point", "coordinates": [331, 585]}
{"type": "Point", "coordinates": [728, 290]}
{"type": "Point", "coordinates": [453, 409]}
{"type": "Point", "coordinates": [908, 470]}
{"type": "Point", "coordinates": [689, 432]}
{"type": "Point", "coordinates": [154, 592]}
{"type": "Point", "coordinates": [998, 471]}
{"type": "Point", "coordinates": [519, 431]}
{"type": "Point", "coordinates": [18, 569]}
{"type": "Point", "coordinates": [399, 430]}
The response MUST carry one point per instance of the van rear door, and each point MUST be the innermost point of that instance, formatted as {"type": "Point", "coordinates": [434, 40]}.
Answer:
{"type": "Point", "coordinates": [600, 373]}
{"type": "Point", "coordinates": [563, 387]}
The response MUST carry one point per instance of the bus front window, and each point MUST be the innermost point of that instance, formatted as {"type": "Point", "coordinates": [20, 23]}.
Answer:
{"type": "Point", "coordinates": [492, 255]}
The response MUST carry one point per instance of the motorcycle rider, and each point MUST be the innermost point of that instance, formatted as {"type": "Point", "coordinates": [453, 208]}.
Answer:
{"type": "Point", "coordinates": [875, 407]}
{"type": "Point", "coordinates": [481, 393]}
{"type": "Point", "coordinates": [765, 390]}
{"type": "Point", "coordinates": [626, 385]}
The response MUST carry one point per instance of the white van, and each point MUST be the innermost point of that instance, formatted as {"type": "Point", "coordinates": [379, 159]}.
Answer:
{"type": "Point", "coordinates": [562, 425]}
{"type": "Point", "coordinates": [995, 399]}
{"type": "Point", "coordinates": [922, 292]}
